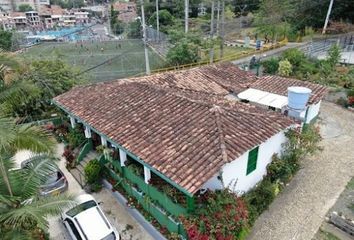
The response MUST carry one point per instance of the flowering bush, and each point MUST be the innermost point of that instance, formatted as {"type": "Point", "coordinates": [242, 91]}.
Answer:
{"type": "Point", "coordinates": [224, 216]}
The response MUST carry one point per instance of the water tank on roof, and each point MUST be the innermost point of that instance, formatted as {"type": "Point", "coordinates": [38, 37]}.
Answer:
{"type": "Point", "coordinates": [298, 97]}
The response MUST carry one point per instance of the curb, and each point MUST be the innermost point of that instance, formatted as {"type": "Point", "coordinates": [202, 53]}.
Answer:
{"type": "Point", "coordinates": [135, 213]}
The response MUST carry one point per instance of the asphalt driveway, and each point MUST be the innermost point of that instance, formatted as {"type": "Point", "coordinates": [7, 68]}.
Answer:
{"type": "Point", "coordinates": [297, 213]}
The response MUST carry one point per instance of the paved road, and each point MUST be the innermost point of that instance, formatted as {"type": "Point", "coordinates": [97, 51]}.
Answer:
{"type": "Point", "coordinates": [268, 54]}
{"type": "Point", "coordinates": [128, 227]}
{"type": "Point", "coordinates": [299, 211]}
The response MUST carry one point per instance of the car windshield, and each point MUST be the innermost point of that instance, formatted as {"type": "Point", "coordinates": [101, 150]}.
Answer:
{"type": "Point", "coordinates": [80, 208]}
{"type": "Point", "coordinates": [52, 178]}
{"type": "Point", "coordinates": [110, 236]}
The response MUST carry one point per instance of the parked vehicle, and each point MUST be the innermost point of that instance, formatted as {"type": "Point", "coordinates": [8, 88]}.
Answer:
{"type": "Point", "coordinates": [87, 221]}
{"type": "Point", "coordinates": [54, 184]}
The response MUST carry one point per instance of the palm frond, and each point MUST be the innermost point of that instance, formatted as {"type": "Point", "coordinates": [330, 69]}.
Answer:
{"type": "Point", "coordinates": [37, 211]}
{"type": "Point", "coordinates": [35, 174]}
{"type": "Point", "coordinates": [7, 132]}
{"type": "Point", "coordinates": [33, 138]}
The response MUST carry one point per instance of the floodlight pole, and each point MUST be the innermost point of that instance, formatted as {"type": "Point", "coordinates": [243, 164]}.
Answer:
{"type": "Point", "coordinates": [212, 31]}
{"type": "Point", "coordinates": [157, 21]}
{"type": "Point", "coordinates": [327, 17]}
{"type": "Point", "coordinates": [186, 15]}
{"type": "Point", "coordinates": [147, 64]}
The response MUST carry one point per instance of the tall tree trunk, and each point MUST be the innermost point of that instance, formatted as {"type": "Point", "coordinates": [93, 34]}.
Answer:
{"type": "Point", "coordinates": [5, 177]}
{"type": "Point", "coordinates": [186, 13]}
{"type": "Point", "coordinates": [212, 31]}
{"type": "Point", "coordinates": [222, 35]}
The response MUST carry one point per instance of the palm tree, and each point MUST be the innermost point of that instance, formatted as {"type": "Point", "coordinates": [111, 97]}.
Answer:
{"type": "Point", "coordinates": [22, 211]}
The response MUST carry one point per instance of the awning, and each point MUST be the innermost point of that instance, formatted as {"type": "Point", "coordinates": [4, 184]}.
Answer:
{"type": "Point", "coordinates": [264, 98]}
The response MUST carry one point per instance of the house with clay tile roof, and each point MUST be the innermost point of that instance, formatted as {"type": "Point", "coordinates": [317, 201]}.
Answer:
{"type": "Point", "coordinates": [175, 134]}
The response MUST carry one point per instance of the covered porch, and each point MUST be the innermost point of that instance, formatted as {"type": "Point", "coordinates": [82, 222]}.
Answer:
{"type": "Point", "coordinates": [158, 195]}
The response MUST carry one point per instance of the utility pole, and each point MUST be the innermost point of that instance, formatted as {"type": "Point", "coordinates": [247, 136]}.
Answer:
{"type": "Point", "coordinates": [147, 64]}
{"type": "Point", "coordinates": [212, 31]}
{"type": "Point", "coordinates": [157, 21]}
{"type": "Point", "coordinates": [218, 18]}
{"type": "Point", "coordinates": [222, 35]}
{"type": "Point", "coordinates": [327, 17]}
{"type": "Point", "coordinates": [186, 15]}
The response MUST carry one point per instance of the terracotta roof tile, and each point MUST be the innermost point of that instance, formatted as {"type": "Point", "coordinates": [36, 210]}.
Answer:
{"type": "Point", "coordinates": [279, 85]}
{"type": "Point", "coordinates": [186, 138]}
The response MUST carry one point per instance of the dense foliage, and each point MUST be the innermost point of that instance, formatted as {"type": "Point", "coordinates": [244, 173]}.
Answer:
{"type": "Point", "coordinates": [117, 26]}
{"type": "Point", "coordinates": [32, 86]}
{"type": "Point", "coordinates": [222, 215]}
{"type": "Point", "coordinates": [93, 171]}
{"type": "Point", "coordinates": [166, 20]}
{"type": "Point", "coordinates": [25, 8]}
{"type": "Point", "coordinates": [5, 40]}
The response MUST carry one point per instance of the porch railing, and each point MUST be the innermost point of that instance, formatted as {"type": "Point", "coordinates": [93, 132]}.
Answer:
{"type": "Point", "coordinates": [158, 204]}
{"type": "Point", "coordinates": [84, 151]}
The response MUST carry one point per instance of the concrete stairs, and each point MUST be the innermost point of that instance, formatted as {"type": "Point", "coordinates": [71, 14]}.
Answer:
{"type": "Point", "coordinates": [78, 172]}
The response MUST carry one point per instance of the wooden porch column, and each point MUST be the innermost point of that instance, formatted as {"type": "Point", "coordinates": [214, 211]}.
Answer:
{"type": "Point", "coordinates": [147, 175]}
{"type": "Point", "coordinates": [122, 157]}
{"type": "Point", "coordinates": [87, 132]}
{"type": "Point", "coordinates": [72, 121]}
{"type": "Point", "coordinates": [103, 141]}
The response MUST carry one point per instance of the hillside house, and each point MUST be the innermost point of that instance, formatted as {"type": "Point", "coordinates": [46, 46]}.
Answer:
{"type": "Point", "coordinates": [179, 130]}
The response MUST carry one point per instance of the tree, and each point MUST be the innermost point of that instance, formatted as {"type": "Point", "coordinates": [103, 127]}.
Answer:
{"type": "Point", "coordinates": [285, 68]}
{"type": "Point", "coordinates": [22, 212]}
{"type": "Point", "coordinates": [34, 86]}
{"type": "Point", "coordinates": [165, 18]}
{"type": "Point", "coordinates": [183, 52]}
{"type": "Point", "coordinates": [25, 8]}
{"type": "Point", "coordinates": [273, 16]}
{"type": "Point", "coordinates": [5, 40]}
{"type": "Point", "coordinates": [134, 29]}
{"type": "Point", "coordinates": [334, 55]}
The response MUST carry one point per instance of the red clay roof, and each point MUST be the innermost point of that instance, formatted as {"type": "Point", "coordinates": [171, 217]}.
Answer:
{"type": "Point", "coordinates": [279, 85]}
{"type": "Point", "coordinates": [185, 135]}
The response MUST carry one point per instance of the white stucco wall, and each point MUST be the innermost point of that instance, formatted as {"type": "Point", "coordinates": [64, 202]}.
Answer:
{"type": "Point", "coordinates": [236, 170]}
{"type": "Point", "coordinates": [313, 111]}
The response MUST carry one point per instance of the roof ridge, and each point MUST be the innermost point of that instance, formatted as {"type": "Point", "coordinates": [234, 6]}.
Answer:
{"type": "Point", "coordinates": [217, 111]}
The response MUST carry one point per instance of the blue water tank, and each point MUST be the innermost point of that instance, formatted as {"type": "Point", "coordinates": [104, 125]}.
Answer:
{"type": "Point", "coordinates": [298, 97]}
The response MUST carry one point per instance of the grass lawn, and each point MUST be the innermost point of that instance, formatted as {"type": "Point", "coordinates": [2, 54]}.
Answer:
{"type": "Point", "coordinates": [327, 236]}
{"type": "Point", "coordinates": [228, 52]}
{"type": "Point", "coordinates": [119, 59]}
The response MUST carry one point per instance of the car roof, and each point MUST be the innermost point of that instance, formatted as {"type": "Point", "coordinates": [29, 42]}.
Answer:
{"type": "Point", "coordinates": [93, 223]}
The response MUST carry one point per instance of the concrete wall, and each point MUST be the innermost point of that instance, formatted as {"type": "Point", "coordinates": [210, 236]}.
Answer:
{"type": "Point", "coordinates": [313, 111]}
{"type": "Point", "coordinates": [236, 170]}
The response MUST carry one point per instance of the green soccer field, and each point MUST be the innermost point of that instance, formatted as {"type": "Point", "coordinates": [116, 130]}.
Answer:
{"type": "Point", "coordinates": [106, 60]}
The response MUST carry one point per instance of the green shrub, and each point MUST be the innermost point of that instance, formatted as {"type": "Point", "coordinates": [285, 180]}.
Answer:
{"type": "Point", "coordinates": [93, 171]}
{"type": "Point", "coordinates": [279, 169]}
{"type": "Point", "coordinates": [260, 197]}
{"type": "Point", "coordinates": [294, 56]}
{"type": "Point", "coordinates": [285, 68]}
{"type": "Point", "coordinates": [270, 65]}
{"type": "Point", "coordinates": [75, 137]}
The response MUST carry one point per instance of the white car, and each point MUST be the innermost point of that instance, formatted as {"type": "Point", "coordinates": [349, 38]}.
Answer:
{"type": "Point", "coordinates": [86, 221]}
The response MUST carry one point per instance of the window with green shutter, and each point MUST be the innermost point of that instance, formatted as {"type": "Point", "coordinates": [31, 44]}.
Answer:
{"type": "Point", "coordinates": [252, 160]}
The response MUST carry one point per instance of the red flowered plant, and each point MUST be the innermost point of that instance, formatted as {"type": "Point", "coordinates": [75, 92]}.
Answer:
{"type": "Point", "coordinates": [222, 216]}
